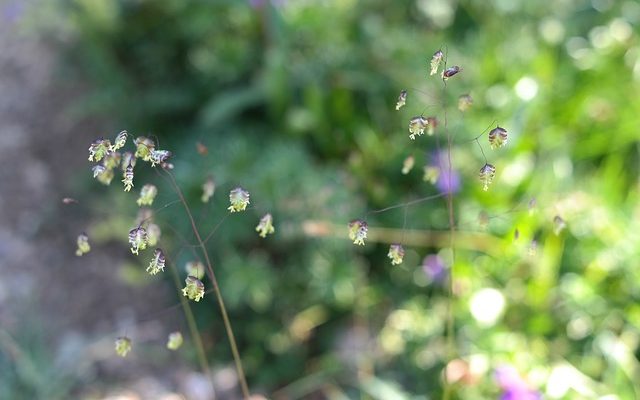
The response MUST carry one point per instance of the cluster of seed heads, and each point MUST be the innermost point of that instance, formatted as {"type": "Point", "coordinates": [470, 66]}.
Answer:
{"type": "Point", "coordinates": [108, 158]}
{"type": "Point", "coordinates": [418, 126]}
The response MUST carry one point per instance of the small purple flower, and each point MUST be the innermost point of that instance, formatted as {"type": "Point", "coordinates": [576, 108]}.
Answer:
{"type": "Point", "coordinates": [446, 182]}
{"type": "Point", "coordinates": [513, 386]}
{"type": "Point", "coordinates": [434, 267]}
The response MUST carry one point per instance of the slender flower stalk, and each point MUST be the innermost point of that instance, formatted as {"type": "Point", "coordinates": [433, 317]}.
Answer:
{"type": "Point", "coordinates": [216, 289]}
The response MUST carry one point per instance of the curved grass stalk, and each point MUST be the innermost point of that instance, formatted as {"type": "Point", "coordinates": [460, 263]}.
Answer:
{"type": "Point", "coordinates": [223, 310]}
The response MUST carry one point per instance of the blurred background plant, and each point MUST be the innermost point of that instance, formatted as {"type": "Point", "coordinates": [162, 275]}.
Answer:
{"type": "Point", "coordinates": [294, 100]}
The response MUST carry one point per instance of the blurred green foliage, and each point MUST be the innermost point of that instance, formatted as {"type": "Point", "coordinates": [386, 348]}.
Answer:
{"type": "Point", "coordinates": [295, 102]}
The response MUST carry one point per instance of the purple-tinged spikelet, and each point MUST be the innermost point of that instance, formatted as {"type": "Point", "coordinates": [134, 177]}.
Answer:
{"type": "Point", "coordinates": [417, 126]}
{"type": "Point", "coordinates": [157, 262]}
{"type": "Point", "coordinates": [98, 170]}
{"type": "Point", "coordinates": [98, 149]}
{"type": "Point", "coordinates": [402, 99]}
{"type": "Point", "coordinates": [128, 178]}
{"type": "Point", "coordinates": [138, 239]}
{"type": "Point", "coordinates": [396, 254]}
{"type": "Point", "coordinates": [120, 141]}
{"type": "Point", "coordinates": [239, 199]}
{"type": "Point", "coordinates": [159, 157]}
{"type": "Point", "coordinates": [436, 60]}
{"type": "Point", "coordinates": [194, 288]}
{"type": "Point", "coordinates": [358, 231]}
{"type": "Point", "coordinates": [487, 172]}
{"type": "Point", "coordinates": [498, 137]}
{"type": "Point", "coordinates": [102, 174]}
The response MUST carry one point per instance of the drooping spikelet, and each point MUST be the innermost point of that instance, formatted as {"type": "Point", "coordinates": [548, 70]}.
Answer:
{"type": "Point", "coordinates": [436, 60]}
{"type": "Point", "coordinates": [498, 137]}
{"type": "Point", "coordinates": [157, 262]}
{"type": "Point", "coordinates": [417, 126]}
{"type": "Point", "coordinates": [487, 172]}
{"type": "Point", "coordinates": [358, 231]}
{"type": "Point", "coordinates": [265, 226]}
{"type": "Point", "coordinates": [194, 288]}
{"type": "Point", "coordinates": [138, 239]}
{"type": "Point", "coordinates": [128, 178]}
{"type": "Point", "coordinates": [402, 99]}
{"type": "Point", "coordinates": [239, 199]}
{"type": "Point", "coordinates": [120, 141]}
{"type": "Point", "coordinates": [396, 254]}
